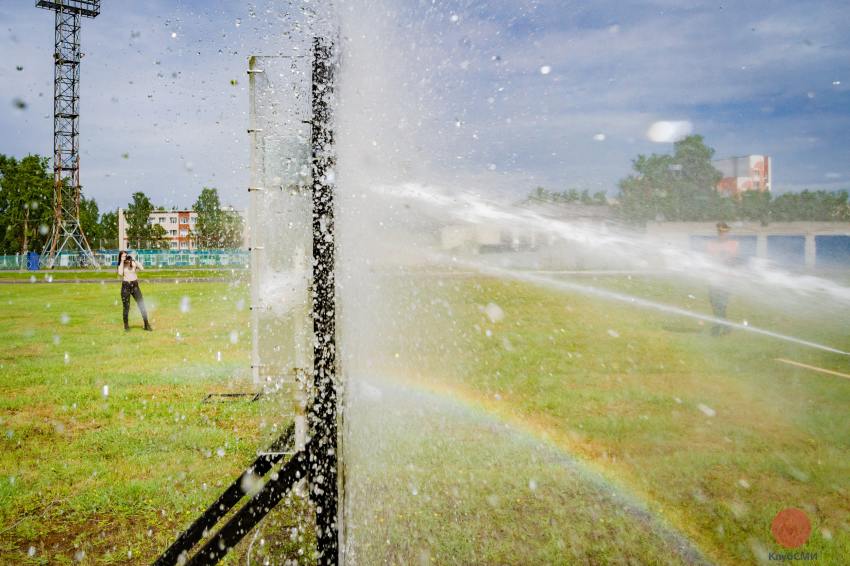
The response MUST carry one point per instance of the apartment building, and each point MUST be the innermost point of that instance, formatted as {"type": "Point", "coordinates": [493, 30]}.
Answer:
{"type": "Point", "coordinates": [178, 226]}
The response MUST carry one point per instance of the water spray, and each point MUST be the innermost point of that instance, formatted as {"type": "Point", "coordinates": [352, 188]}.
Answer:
{"type": "Point", "coordinates": [632, 300]}
{"type": "Point", "coordinates": [317, 461]}
{"type": "Point", "coordinates": [472, 209]}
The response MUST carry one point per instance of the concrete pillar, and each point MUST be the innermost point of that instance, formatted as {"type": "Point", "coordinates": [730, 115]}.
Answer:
{"type": "Point", "coordinates": [810, 250]}
{"type": "Point", "coordinates": [761, 245]}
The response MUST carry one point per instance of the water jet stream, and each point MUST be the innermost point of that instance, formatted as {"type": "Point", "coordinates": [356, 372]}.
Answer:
{"type": "Point", "coordinates": [617, 242]}
{"type": "Point", "coordinates": [632, 300]}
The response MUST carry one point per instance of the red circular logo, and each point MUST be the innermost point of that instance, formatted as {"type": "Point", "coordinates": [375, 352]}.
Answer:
{"type": "Point", "coordinates": [791, 527]}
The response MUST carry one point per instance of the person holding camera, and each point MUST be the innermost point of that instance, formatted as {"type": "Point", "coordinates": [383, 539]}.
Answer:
{"type": "Point", "coordinates": [128, 269]}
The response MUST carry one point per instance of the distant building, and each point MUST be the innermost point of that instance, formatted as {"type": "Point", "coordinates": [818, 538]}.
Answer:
{"type": "Point", "coordinates": [178, 226]}
{"type": "Point", "coordinates": [746, 173]}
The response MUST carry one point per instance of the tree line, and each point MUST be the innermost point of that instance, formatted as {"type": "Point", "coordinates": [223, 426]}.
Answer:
{"type": "Point", "coordinates": [681, 187]}
{"type": "Point", "coordinates": [215, 227]}
{"type": "Point", "coordinates": [26, 214]}
{"type": "Point", "coordinates": [26, 208]}
{"type": "Point", "coordinates": [541, 194]}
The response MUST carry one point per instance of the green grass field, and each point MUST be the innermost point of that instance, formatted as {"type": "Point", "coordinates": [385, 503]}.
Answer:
{"type": "Point", "coordinates": [107, 448]}
{"type": "Point", "coordinates": [713, 434]}
{"type": "Point", "coordinates": [109, 273]}
{"type": "Point", "coordinates": [573, 430]}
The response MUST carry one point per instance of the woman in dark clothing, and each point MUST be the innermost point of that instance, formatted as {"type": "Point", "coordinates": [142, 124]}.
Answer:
{"type": "Point", "coordinates": [127, 269]}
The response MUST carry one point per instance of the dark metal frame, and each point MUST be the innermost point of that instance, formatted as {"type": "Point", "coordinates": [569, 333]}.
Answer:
{"type": "Point", "coordinates": [231, 496]}
{"type": "Point", "coordinates": [322, 417]}
{"type": "Point", "coordinates": [318, 461]}
{"type": "Point", "coordinates": [252, 513]}
{"type": "Point", "coordinates": [67, 230]}
{"type": "Point", "coordinates": [87, 8]}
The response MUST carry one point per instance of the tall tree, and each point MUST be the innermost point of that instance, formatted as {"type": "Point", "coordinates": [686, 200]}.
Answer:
{"type": "Point", "coordinates": [26, 198]}
{"type": "Point", "coordinates": [157, 238]}
{"type": "Point", "coordinates": [233, 229]}
{"type": "Point", "coordinates": [678, 187]}
{"type": "Point", "coordinates": [108, 230]}
{"type": "Point", "coordinates": [137, 215]}
{"type": "Point", "coordinates": [89, 216]}
{"type": "Point", "coordinates": [216, 227]}
{"type": "Point", "coordinates": [210, 223]}
{"type": "Point", "coordinates": [140, 232]}
{"type": "Point", "coordinates": [682, 187]}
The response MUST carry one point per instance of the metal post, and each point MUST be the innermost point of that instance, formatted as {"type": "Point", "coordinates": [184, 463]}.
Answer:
{"type": "Point", "coordinates": [322, 417]}
{"type": "Point", "coordinates": [67, 230]}
{"type": "Point", "coordinates": [255, 245]}
{"type": "Point", "coordinates": [318, 461]}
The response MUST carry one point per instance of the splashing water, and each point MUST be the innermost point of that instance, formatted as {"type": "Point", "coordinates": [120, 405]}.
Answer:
{"type": "Point", "coordinates": [445, 351]}
{"type": "Point", "coordinates": [632, 249]}
{"type": "Point", "coordinates": [635, 301]}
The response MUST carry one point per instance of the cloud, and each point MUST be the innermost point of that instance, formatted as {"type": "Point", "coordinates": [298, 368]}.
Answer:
{"type": "Point", "coordinates": [665, 131]}
{"type": "Point", "coordinates": [469, 92]}
{"type": "Point", "coordinates": [164, 102]}
{"type": "Point", "coordinates": [735, 76]}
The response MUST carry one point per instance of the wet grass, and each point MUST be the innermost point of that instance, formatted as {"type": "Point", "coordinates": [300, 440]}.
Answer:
{"type": "Point", "coordinates": [107, 450]}
{"type": "Point", "coordinates": [434, 481]}
{"type": "Point", "coordinates": [708, 435]}
{"type": "Point", "coordinates": [150, 272]}
{"type": "Point", "coordinates": [712, 433]}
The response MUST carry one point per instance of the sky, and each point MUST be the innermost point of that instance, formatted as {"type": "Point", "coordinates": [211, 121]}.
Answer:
{"type": "Point", "coordinates": [553, 93]}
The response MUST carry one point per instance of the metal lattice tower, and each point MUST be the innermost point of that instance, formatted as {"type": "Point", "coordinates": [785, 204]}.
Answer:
{"type": "Point", "coordinates": [67, 233]}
